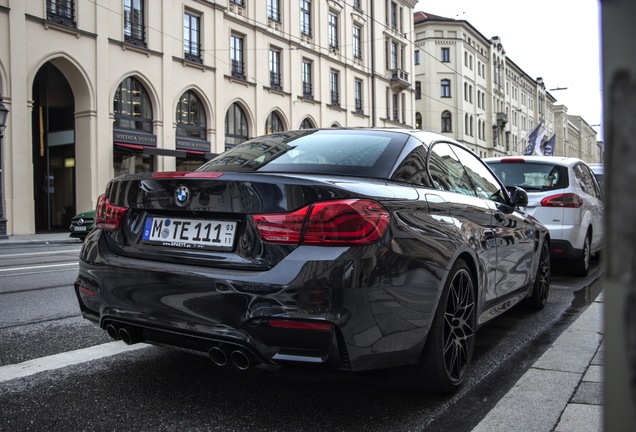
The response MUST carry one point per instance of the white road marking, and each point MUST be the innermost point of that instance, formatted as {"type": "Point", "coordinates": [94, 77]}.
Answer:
{"type": "Point", "coordinates": [8, 269]}
{"type": "Point", "coordinates": [59, 361]}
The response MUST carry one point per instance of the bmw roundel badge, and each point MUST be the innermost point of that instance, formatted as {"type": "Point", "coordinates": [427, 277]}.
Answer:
{"type": "Point", "coordinates": [182, 195]}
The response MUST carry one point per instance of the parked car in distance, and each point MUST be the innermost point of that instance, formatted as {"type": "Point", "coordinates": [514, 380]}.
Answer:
{"type": "Point", "coordinates": [82, 224]}
{"type": "Point", "coordinates": [347, 249]}
{"type": "Point", "coordinates": [562, 193]}
{"type": "Point", "coordinates": [599, 171]}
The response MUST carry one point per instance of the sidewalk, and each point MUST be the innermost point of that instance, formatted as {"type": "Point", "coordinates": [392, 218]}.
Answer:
{"type": "Point", "coordinates": [561, 392]}
{"type": "Point", "coordinates": [53, 238]}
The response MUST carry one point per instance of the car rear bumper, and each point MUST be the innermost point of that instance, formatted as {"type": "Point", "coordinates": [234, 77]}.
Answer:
{"type": "Point", "coordinates": [563, 249]}
{"type": "Point", "coordinates": [340, 308]}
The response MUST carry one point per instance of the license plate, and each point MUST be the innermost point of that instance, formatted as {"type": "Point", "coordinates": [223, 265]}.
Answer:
{"type": "Point", "coordinates": [79, 228]}
{"type": "Point", "coordinates": [189, 233]}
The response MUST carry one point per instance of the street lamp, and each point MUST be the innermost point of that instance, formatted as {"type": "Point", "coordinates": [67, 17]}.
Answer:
{"type": "Point", "coordinates": [4, 113]}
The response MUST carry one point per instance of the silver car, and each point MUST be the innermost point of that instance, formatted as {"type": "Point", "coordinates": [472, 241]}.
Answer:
{"type": "Point", "coordinates": [564, 194]}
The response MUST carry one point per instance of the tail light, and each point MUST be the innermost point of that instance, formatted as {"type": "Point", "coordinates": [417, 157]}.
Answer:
{"type": "Point", "coordinates": [568, 200]}
{"type": "Point", "coordinates": [108, 216]}
{"type": "Point", "coordinates": [301, 325]}
{"type": "Point", "coordinates": [352, 222]}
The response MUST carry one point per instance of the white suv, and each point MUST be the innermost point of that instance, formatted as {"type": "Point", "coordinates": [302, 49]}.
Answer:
{"type": "Point", "coordinates": [565, 196]}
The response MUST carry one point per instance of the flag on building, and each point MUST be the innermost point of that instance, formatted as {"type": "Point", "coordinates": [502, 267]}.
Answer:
{"type": "Point", "coordinates": [538, 148]}
{"type": "Point", "coordinates": [532, 141]}
{"type": "Point", "coordinates": [548, 147]}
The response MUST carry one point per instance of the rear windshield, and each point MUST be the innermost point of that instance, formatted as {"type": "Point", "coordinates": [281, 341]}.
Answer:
{"type": "Point", "coordinates": [342, 152]}
{"type": "Point", "coordinates": [531, 176]}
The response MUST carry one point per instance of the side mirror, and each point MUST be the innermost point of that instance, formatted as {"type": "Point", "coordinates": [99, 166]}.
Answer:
{"type": "Point", "coordinates": [518, 197]}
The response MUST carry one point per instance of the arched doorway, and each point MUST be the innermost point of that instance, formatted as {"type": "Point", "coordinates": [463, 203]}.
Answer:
{"type": "Point", "coordinates": [53, 138]}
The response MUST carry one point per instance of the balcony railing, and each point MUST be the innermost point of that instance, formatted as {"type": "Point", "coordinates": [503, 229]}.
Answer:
{"type": "Point", "coordinates": [400, 79]}
{"type": "Point", "coordinates": [238, 70]}
{"type": "Point", "coordinates": [502, 118]}
{"type": "Point", "coordinates": [335, 99]}
{"type": "Point", "coordinates": [307, 91]}
{"type": "Point", "coordinates": [61, 12]}
{"type": "Point", "coordinates": [275, 81]}
{"type": "Point", "coordinates": [193, 53]}
{"type": "Point", "coordinates": [359, 109]}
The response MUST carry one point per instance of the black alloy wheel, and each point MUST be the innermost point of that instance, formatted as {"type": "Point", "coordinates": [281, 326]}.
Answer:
{"type": "Point", "coordinates": [541, 287]}
{"type": "Point", "coordinates": [451, 339]}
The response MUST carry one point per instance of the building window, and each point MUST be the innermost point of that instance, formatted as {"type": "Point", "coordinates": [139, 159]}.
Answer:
{"type": "Point", "coordinates": [396, 110]}
{"type": "Point", "coordinates": [307, 80]}
{"type": "Point", "coordinates": [61, 12]}
{"type": "Point", "coordinates": [274, 69]}
{"type": "Point", "coordinates": [236, 129]}
{"type": "Point", "coordinates": [418, 90]}
{"type": "Point", "coordinates": [191, 37]}
{"type": "Point", "coordinates": [273, 124]}
{"type": "Point", "coordinates": [333, 30]}
{"type": "Point", "coordinates": [237, 2]}
{"type": "Point", "coordinates": [445, 55]}
{"type": "Point", "coordinates": [236, 57]}
{"type": "Point", "coordinates": [134, 31]}
{"type": "Point", "coordinates": [307, 124]}
{"type": "Point", "coordinates": [417, 57]}
{"type": "Point", "coordinates": [131, 106]}
{"type": "Point", "coordinates": [305, 17]}
{"type": "Point", "coordinates": [190, 116]}
{"type": "Point", "coordinates": [393, 15]}
{"type": "Point", "coordinates": [334, 88]}
{"type": "Point", "coordinates": [418, 121]}
{"type": "Point", "coordinates": [357, 93]}
{"type": "Point", "coordinates": [356, 5]}
{"type": "Point", "coordinates": [273, 10]}
{"type": "Point", "coordinates": [394, 56]}
{"type": "Point", "coordinates": [357, 41]}
{"type": "Point", "coordinates": [447, 125]}
{"type": "Point", "coordinates": [446, 88]}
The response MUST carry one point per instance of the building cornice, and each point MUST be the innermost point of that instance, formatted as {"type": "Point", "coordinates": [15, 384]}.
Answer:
{"type": "Point", "coordinates": [51, 25]}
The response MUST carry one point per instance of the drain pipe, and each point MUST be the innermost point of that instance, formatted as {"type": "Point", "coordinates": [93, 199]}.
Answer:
{"type": "Point", "coordinates": [373, 107]}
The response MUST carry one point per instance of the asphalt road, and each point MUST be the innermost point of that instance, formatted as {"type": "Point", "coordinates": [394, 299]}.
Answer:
{"type": "Point", "coordinates": [156, 389]}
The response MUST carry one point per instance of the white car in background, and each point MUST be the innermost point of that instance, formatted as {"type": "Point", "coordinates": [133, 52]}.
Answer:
{"type": "Point", "coordinates": [565, 196]}
{"type": "Point", "coordinates": [599, 171]}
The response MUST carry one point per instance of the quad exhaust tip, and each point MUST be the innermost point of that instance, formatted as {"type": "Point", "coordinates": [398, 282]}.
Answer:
{"type": "Point", "coordinates": [218, 356]}
{"type": "Point", "coordinates": [240, 358]}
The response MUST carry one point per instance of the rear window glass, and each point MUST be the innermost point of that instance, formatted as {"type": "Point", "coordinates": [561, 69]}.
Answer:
{"type": "Point", "coordinates": [531, 176]}
{"type": "Point", "coordinates": [343, 152]}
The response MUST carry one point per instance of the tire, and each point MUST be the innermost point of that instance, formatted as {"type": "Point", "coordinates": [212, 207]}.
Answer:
{"type": "Point", "coordinates": [581, 265]}
{"type": "Point", "coordinates": [451, 340]}
{"type": "Point", "coordinates": [541, 288]}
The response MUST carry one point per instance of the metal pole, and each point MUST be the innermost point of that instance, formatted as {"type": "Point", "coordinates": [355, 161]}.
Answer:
{"type": "Point", "coordinates": [3, 220]}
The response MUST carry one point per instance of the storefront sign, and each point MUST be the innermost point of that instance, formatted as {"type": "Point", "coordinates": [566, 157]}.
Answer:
{"type": "Point", "coordinates": [183, 143]}
{"type": "Point", "coordinates": [131, 137]}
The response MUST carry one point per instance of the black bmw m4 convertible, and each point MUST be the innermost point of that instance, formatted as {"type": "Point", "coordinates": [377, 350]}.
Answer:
{"type": "Point", "coordinates": [348, 249]}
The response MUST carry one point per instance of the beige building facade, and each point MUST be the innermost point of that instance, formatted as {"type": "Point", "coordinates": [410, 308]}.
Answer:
{"type": "Point", "coordinates": [98, 88]}
{"type": "Point", "coordinates": [468, 88]}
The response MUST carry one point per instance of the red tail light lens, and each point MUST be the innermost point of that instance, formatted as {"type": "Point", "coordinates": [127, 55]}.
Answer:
{"type": "Point", "coordinates": [568, 200]}
{"type": "Point", "coordinates": [108, 216]}
{"type": "Point", "coordinates": [338, 223]}
{"type": "Point", "coordinates": [301, 325]}
{"type": "Point", "coordinates": [281, 227]}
